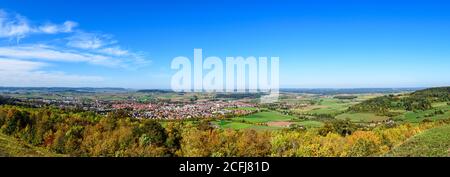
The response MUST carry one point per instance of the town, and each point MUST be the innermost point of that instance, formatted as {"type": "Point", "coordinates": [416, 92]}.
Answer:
{"type": "Point", "coordinates": [159, 109]}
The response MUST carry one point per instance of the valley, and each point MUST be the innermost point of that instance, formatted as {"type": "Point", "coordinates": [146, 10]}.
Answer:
{"type": "Point", "coordinates": [164, 123]}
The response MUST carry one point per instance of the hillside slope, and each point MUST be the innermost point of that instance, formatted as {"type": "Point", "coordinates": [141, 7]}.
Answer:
{"type": "Point", "coordinates": [10, 147]}
{"type": "Point", "coordinates": [431, 143]}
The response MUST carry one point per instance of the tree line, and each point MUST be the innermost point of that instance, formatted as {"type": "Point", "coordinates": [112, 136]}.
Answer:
{"type": "Point", "coordinates": [419, 100]}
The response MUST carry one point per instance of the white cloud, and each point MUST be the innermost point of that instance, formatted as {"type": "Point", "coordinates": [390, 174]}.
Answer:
{"type": "Point", "coordinates": [18, 65]}
{"type": "Point", "coordinates": [16, 26]}
{"type": "Point", "coordinates": [96, 42]}
{"type": "Point", "coordinates": [28, 64]}
{"type": "Point", "coordinates": [43, 52]}
{"type": "Point", "coordinates": [85, 40]}
{"type": "Point", "coordinates": [104, 45]}
{"type": "Point", "coordinates": [114, 51]}
{"type": "Point", "coordinates": [29, 73]}
{"type": "Point", "coordinates": [93, 48]}
{"type": "Point", "coordinates": [116, 58]}
{"type": "Point", "coordinates": [67, 27]}
{"type": "Point", "coordinates": [13, 26]}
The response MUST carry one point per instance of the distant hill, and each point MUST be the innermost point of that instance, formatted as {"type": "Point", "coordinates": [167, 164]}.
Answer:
{"type": "Point", "coordinates": [418, 100]}
{"type": "Point", "coordinates": [322, 91]}
{"type": "Point", "coordinates": [154, 91]}
{"type": "Point", "coordinates": [330, 91]}
{"type": "Point", "coordinates": [7, 100]}
{"type": "Point", "coordinates": [438, 94]}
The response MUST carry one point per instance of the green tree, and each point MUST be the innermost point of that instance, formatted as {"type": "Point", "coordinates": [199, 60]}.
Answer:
{"type": "Point", "coordinates": [173, 141]}
{"type": "Point", "coordinates": [151, 132]}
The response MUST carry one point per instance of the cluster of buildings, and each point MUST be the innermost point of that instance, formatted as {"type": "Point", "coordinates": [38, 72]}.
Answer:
{"type": "Point", "coordinates": [198, 109]}
{"type": "Point", "coordinates": [98, 106]}
{"type": "Point", "coordinates": [158, 110]}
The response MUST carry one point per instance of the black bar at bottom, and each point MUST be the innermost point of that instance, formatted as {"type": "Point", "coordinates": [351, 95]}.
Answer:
{"type": "Point", "coordinates": [224, 166]}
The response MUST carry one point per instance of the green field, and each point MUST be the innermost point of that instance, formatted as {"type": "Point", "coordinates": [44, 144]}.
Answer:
{"type": "Point", "coordinates": [264, 117]}
{"type": "Point", "coordinates": [440, 105]}
{"type": "Point", "coordinates": [416, 117]}
{"type": "Point", "coordinates": [10, 147]}
{"type": "Point", "coordinates": [310, 124]}
{"type": "Point", "coordinates": [327, 106]}
{"type": "Point", "coordinates": [419, 116]}
{"type": "Point", "coordinates": [362, 117]}
{"type": "Point", "coordinates": [254, 121]}
{"type": "Point", "coordinates": [431, 143]}
{"type": "Point", "coordinates": [244, 108]}
{"type": "Point", "coordinates": [240, 125]}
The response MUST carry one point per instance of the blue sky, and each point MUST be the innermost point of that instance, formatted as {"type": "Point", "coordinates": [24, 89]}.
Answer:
{"type": "Point", "coordinates": [99, 43]}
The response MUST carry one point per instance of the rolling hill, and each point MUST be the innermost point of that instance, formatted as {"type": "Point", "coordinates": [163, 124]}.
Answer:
{"type": "Point", "coordinates": [431, 143]}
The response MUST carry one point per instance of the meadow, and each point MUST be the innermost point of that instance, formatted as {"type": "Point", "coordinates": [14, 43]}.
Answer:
{"type": "Point", "coordinates": [317, 105]}
{"type": "Point", "coordinates": [362, 117]}
{"type": "Point", "coordinates": [440, 111]}
{"type": "Point", "coordinates": [227, 124]}
{"type": "Point", "coordinates": [326, 106]}
{"type": "Point", "coordinates": [265, 120]}
{"type": "Point", "coordinates": [265, 116]}
{"type": "Point", "coordinates": [431, 143]}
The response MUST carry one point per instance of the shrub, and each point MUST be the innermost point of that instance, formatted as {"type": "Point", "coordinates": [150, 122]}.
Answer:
{"type": "Point", "coordinates": [342, 127]}
{"type": "Point", "coordinates": [364, 143]}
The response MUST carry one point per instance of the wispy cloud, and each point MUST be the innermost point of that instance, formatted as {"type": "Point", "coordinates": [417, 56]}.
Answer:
{"type": "Point", "coordinates": [16, 26]}
{"type": "Point", "coordinates": [105, 45]}
{"type": "Point", "coordinates": [117, 51]}
{"type": "Point", "coordinates": [11, 65]}
{"type": "Point", "coordinates": [66, 27]}
{"type": "Point", "coordinates": [97, 43]}
{"type": "Point", "coordinates": [28, 64]}
{"type": "Point", "coordinates": [43, 52]}
{"type": "Point", "coordinates": [85, 40]}
{"type": "Point", "coordinates": [30, 73]}
{"type": "Point", "coordinates": [77, 46]}
{"type": "Point", "coordinates": [56, 54]}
